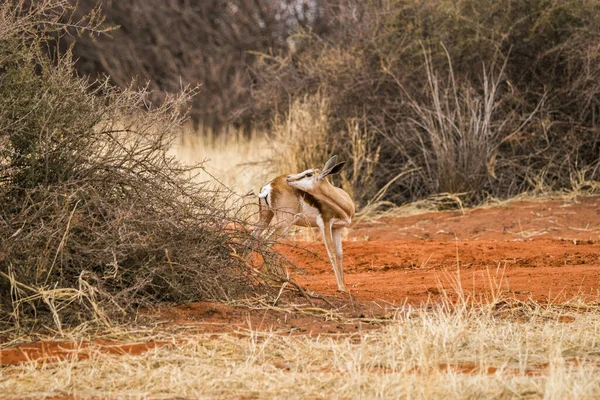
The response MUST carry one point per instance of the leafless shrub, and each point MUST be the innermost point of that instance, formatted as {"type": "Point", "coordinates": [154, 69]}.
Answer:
{"type": "Point", "coordinates": [214, 43]}
{"type": "Point", "coordinates": [96, 218]}
{"type": "Point", "coordinates": [458, 130]}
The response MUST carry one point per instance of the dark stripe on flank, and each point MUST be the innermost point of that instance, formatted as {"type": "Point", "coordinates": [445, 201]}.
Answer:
{"type": "Point", "coordinates": [312, 201]}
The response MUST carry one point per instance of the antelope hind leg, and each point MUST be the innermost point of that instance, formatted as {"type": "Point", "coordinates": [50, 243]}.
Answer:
{"type": "Point", "coordinates": [326, 232]}
{"type": "Point", "coordinates": [265, 215]}
{"type": "Point", "coordinates": [339, 254]}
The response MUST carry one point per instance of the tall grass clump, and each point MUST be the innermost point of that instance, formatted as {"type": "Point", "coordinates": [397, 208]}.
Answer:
{"type": "Point", "coordinates": [483, 98]}
{"type": "Point", "coordinates": [96, 218]}
{"type": "Point", "coordinates": [302, 138]}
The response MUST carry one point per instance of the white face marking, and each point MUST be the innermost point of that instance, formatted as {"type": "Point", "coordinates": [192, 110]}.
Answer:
{"type": "Point", "coordinates": [265, 191]}
{"type": "Point", "coordinates": [304, 181]}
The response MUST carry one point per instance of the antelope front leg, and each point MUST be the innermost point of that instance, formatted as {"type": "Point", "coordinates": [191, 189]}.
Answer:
{"type": "Point", "coordinates": [263, 223]}
{"type": "Point", "coordinates": [326, 232]}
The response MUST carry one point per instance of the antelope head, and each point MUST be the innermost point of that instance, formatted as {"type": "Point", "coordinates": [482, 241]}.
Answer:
{"type": "Point", "coordinates": [309, 180]}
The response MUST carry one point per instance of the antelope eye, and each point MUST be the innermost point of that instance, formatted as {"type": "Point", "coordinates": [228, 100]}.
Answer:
{"type": "Point", "coordinates": [308, 175]}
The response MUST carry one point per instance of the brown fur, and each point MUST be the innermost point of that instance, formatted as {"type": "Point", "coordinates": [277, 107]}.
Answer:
{"type": "Point", "coordinates": [286, 204]}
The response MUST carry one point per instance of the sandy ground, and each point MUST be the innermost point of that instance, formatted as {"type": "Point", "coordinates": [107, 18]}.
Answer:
{"type": "Point", "coordinates": [546, 251]}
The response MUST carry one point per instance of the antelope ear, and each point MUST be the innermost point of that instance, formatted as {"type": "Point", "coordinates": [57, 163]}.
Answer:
{"type": "Point", "coordinates": [337, 168]}
{"type": "Point", "coordinates": [334, 170]}
{"type": "Point", "coordinates": [329, 164]}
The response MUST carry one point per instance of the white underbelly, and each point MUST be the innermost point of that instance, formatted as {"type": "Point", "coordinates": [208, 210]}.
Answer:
{"type": "Point", "coordinates": [308, 217]}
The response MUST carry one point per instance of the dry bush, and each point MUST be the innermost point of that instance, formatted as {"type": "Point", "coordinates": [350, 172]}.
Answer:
{"type": "Point", "coordinates": [96, 217]}
{"type": "Point", "coordinates": [369, 66]}
{"type": "Point", "coordinates": [458, 129]}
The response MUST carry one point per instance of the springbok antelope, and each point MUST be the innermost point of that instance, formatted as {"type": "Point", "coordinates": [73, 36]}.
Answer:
{"type": "Point", "coordinates": [308, 199]}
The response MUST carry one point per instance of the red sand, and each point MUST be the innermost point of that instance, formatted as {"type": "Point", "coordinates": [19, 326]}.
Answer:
{"type": "Point", "coordinates": [543, 250]}
{"type": "Point", "coordinates": [49, 351]}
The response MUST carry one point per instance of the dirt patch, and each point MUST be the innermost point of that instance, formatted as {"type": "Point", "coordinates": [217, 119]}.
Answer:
{"type": "Point", "coordinates": [572, 219]}
{"type": "Point", "coordinates": [51, 351]}
{"type": "Point", "coordinates": [396, 271]}
{"type": "Point", "coordinates": [545, 251]}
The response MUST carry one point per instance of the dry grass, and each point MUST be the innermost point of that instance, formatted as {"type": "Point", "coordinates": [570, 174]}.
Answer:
{"type": "Point", "coordinates": [449, 201]}
{"type": "Point", "coordinates": [240, 162]}
{"type": "Point", "coordinates": [301, 136]}
{"type": "Point", "coordinates": [471, 350]}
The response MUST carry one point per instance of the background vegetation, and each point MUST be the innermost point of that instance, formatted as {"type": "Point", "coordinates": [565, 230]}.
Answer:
{"type": "Point", "coordinates": [169, 43]}
{"type": "Point", "coordinates": [485, 99]}
{"type": "Point", "coordinates": [468, 98]}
